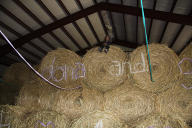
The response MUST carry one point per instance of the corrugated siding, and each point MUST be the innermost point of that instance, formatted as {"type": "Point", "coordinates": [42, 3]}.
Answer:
{"type": "Point", "coordinates": [86, 30]}
{"type": "Point", "coordinates": [28, 55]}
{"type": "Point", "coordinates": [13, 24]}
{"type": "Point", "coordinates": [51, 40]}
{"type": "Point", "coordinates": [8, 34]}
{"type": "Point", "coordinates": [76, 35]}
{"type": "Point", "coordinates": [71, 6]}
{"type": "Point", "coordinates": [41, 44]}
{"type": "Point", "coordinates": [86, 3]}
{"type": "Point", "coordinates": [19, 13]}
{"type": "Point", "coordinates": [54, 8]}
{"type": "Point", "coordinates": [65, 39]}
{"type": "Point", "coordinates": [183, 38]}
{"type": "Point", "coordinates": [27, 46]}
{"type": "Point", "coordinates": [36, 9]}
{"type": "Point", "coordinates": [182, 7]}
{"type": "Point", "coordinates": [96, 22]}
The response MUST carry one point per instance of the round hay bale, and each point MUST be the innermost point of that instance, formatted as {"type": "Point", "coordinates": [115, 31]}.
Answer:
{"type": "Point", "coordinates": [35, 96]}
{"type": "Point", "coordinates": [61, 67]}
{"type": "Point", "coordinates": [48, 119]}
{"type": "Point", "coordinates": [129, 103]}
{"type": "Point", "coordinates": [98, 119]}
{"type": "Point", "coordinates": [158, 121]}
{"type": "Point", "coordinates": [186, 66]}
{"type": "Point", "coordinates": [12, 116]}
{"type": "Point", "coordinates": [77, 102]}
{"type": "Point", "coordinates": [28, 96]}
{"type": "Point", "coordinates": [17, 74]}
{"type": "Point", "coordinates": [176, 101]}
{"type": "Point", "coordinates": [164, 67]}
{"type": "Point", "coordinates": [104, 71]}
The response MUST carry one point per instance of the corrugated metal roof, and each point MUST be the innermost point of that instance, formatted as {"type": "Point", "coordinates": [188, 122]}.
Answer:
{"type": "Point", "coordinates": [20, 17]}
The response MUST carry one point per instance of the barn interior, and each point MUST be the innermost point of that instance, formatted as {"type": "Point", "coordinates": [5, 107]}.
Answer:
{"type": "Point", "coordinates": [96, 63]}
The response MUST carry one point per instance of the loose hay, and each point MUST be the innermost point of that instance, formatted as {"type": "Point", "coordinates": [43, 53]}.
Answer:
{"type": "Point", "coordinates": [159, 121]}
{"type": "Point", "coordinates": [128, 102]}
{"type": "Point", "coordinates": [186, 65]}
{"type": "Point", "coordinates": [12, 115]}
{"type": "Point", "coordinates": [77, 102]}
{"type": "Point", "coordinates": [164, 67]}
{"type": "Point", "coordinates": [17, 74]}
{"type": "Point", "coordinates": [101, 72]}
{"type": "Point", "coordinates": [49, 118]}
{"type": "Point", "coordinates": [177, 102]}
{"type": "Point", "coordinates": [93, 119]}
{"type": "Point", "coordinates": [58, 65]}
{"type": "Point", "coordinates": [35, 97]}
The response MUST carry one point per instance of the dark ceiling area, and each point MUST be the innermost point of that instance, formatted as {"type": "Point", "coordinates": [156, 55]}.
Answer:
{"type": "Point", "coordinates": [36, 27]}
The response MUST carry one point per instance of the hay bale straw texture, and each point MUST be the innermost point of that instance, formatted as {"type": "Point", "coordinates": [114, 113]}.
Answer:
{"type": "Point", "coordinates": [98, 119]}
{"type": "Point", "coordinates": [102, 72]}
{"type": "Point", "coordinates": [13, 115]}
{"type": "Point", "coordinates": [177, 102]}
{"type": "Point", "coordinates": [78, 102]}
{"type": "Point", "coordinates": [46, 117]}
{"type": "Point", "coordinates": [186, 65]}
{"type": "Point", "coordinates": [164, 67]}
{"type": "Point", "coordinates": [35, 96]}
{"type": "Point", "coordinates": [57, 66]}
{"type": "Point", "coordinates": [17, 74]}
{"type": "Point", "coordinates": [156, 120]}
{"type": "Point", "coordinates": [128, 102]}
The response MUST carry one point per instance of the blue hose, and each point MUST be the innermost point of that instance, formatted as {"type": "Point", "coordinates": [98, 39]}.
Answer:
{"type": "Point", "coordinates": [143, 15]}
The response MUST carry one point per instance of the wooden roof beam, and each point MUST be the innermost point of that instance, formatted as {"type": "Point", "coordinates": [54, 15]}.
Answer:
{"type": "Point", "coordinates": [116, 41]}
{"type": "Point", "coordinates": [170, 17]}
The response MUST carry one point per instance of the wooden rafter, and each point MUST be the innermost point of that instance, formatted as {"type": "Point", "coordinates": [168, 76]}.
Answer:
{"type": "Point", "coordinates": [88, 21]}
{"type": "Point", "coordinates": [101, 18]}
{"type": "Point", "coordinates": [61, 4]}
{"type": "Point", "coordinates": [188, 42]}
{"type": "Point", "coordinates": [35, 18]}
{"type": "Point", "coordinates": [178, 33]}
{"type": "Point", "coordinates": [19, 35]}
{"type": "Point", "coordinates": [24, 25]}
{"type": "Point", "coordinates": [170, 17]}
{"type": "Point", "coordinates": [28, 59]}
{"type": "Point", "coordinates": [54, 19]}
{"type": "Point", "coordinates": [165, 27]}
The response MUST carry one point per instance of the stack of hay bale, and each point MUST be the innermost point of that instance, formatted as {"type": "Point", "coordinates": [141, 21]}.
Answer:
{"type": "Point", "coordinates": [186, 68]}
{"type": "Point", "coordinates": [13, 80]}
{"type": "Point", "coordinates": [17, 74]}
{"type": "Point", "coordinates": [116, 91]}
{"type": "Point", "coordinates": [186, 65]}
{"type": "Point", "coordinates": [173, 104]}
